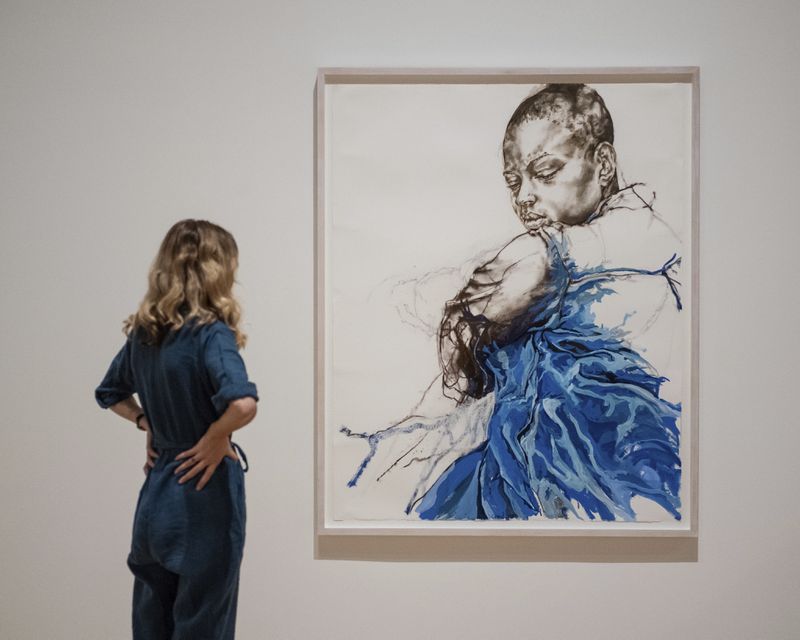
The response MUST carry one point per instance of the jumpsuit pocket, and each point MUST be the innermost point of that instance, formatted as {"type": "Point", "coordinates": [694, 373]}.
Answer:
{"type": "Point", "coordinates": [239, 507]}
{"type": "Point", "coordinates": [139, 547]}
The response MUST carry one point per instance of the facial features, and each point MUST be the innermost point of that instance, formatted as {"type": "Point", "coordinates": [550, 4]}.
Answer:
{"type": "Point", "coordinates": [550, 179]}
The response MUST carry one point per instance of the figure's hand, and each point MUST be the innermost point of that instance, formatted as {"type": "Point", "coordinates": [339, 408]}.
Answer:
{"type": "Point", "coordinates": [204, 457]}
{"type": "Point", "coordinates": [150, 461]}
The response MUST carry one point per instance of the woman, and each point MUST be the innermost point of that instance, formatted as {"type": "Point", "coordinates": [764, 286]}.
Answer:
{"type": "Point", "coordinates": [181, 357]}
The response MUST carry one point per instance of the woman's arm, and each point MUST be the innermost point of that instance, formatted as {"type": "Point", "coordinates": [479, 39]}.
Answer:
{"type": "Point", "coordinates": [127, 409]}
{"type": "Point", "coordinates": [205, 456]}
{"type": "Point", "coordinates": [235, 397]}
{"type": "Point", "coordinates": [239, 413]}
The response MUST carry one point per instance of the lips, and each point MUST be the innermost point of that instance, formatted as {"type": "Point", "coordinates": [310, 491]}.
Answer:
{"type": "Point", "coordinates": [532, 219]}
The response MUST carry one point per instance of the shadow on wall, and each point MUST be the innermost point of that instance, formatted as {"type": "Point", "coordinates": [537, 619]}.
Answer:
{"type": "Point", "coordinates": [504, 549]}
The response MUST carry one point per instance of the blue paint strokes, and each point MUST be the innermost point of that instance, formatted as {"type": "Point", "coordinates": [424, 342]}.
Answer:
{"type": "Point", "coordinates": [577, 419]}
{"type": "Point", "coordinates": [674, 261]}
{"type": "Point", "coordinates": [374, 439]}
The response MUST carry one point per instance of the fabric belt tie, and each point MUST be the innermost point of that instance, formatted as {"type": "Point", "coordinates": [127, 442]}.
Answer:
{"type": "Point", "coordinates": [241, 453]}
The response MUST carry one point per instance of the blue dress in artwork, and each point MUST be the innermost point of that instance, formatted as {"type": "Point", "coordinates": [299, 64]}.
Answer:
{"type": "Point", "coordinates": [577, 417]}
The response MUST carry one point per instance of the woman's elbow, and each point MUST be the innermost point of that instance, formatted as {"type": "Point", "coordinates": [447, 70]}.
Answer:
{"type": "Point", "coordinates": [245, 407]}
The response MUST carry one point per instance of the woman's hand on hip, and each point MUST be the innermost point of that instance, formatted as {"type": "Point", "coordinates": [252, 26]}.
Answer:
{"type": "Point", "coordinates": [204, 457]}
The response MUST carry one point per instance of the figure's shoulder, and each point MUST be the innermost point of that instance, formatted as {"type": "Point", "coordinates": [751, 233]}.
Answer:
{"type": "Point", "coordinates": [638, 224]}
{"type": "Point", "coordinates": [629, 233]}
{"type": "Point", "coordinates": [520, 247]}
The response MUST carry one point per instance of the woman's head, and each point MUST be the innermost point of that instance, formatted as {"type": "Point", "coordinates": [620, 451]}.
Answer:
{"type": "Point", "coordinates": [192, 276]}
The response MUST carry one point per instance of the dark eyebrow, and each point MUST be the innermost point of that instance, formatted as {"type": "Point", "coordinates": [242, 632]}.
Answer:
{"type": "Point", "coordinates": [537, 158]}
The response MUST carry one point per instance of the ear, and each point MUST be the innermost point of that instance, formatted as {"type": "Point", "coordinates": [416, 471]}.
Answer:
{"type": "Point", "coordinates": [606, 157]}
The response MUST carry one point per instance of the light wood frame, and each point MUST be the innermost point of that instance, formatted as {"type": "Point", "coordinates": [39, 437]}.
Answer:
{"type": "Point", "coordinates": [331, 76]}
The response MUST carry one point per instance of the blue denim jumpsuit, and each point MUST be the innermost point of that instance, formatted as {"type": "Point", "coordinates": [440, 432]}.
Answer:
{"type": "Point", "coordinates": [187, 545]}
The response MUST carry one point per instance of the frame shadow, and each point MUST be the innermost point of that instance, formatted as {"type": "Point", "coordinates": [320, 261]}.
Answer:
{"type": "Point", "coordinates": [608, 549]}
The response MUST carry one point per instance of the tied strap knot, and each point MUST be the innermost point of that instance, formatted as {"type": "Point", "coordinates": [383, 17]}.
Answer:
{"type": "Point", "coordinates": [242, 455]}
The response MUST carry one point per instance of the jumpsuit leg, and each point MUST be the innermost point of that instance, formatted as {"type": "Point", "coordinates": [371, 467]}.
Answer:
{"type": "Point", "coordinates": [205, 605]}
{"type": "Point", "coordinates": [196, 598]}
{"type": "Point", "coordinates": [206, 600]}
{"type": "Point", "coordinates": [154, 591]}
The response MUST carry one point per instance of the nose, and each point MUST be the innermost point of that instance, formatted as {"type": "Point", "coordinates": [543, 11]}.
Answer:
{"type": "Point", "coordinates": [526, 196]}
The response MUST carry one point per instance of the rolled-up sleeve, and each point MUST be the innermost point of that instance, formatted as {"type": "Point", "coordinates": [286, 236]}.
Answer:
{"type": "Point", "coordinates": [118, 382]}
{"type": "Point", "coordinates": [226, 369]}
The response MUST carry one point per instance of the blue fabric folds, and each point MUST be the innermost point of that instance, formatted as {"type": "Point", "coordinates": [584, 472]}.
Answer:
{"type": "Point", "coordinates": [577, 421]}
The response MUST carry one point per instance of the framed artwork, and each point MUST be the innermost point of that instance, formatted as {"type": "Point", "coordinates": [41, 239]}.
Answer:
{"type": "Point", "coordinates": [506, 310]}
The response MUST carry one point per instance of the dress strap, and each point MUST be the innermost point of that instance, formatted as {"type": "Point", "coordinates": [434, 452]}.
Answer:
{"type": "Point", "coordinates": [242, 455]}
{"type": "Point", "coordinates": [675, 260]}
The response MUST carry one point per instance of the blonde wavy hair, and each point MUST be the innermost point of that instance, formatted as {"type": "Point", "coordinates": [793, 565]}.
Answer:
{"type": "Point", "coordinates": [192, 276]}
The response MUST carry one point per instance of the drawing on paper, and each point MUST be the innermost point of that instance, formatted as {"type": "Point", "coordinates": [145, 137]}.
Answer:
{"type": "Point", "coordinates": [556, 349]}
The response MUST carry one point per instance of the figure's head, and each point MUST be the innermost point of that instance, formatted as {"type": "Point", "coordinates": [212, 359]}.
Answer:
{"type": "Point", "coordinates": [192, 276]}
{"type": "Point", "coordinates": [558, 156]}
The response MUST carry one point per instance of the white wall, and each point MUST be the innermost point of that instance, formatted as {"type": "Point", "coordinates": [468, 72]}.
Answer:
{"type": "Point", "coordinates": [118, 118]}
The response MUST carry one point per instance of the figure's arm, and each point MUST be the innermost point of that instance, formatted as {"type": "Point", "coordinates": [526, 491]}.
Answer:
{"type": "Point", "coordinates": [505, 285]}
{"type": "Point", "coordinates": [420, 300]}
{"type": "Point", "coordinates": [502, 298]}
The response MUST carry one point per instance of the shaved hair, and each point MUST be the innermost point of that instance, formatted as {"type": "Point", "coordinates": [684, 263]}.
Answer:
{"type": "Point", "coordinates": [575, 106]}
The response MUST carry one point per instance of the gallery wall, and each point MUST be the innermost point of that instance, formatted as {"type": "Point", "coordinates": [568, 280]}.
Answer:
{"type": "Point", "coordinates": [119, 118]}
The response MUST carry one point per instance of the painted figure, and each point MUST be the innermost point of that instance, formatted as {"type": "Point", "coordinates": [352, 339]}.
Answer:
{"type": "Point", "coordinates": [551, 400]}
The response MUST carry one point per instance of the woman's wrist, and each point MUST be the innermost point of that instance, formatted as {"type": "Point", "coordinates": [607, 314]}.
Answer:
{"type": "Point", "coordinates": [218, 430]}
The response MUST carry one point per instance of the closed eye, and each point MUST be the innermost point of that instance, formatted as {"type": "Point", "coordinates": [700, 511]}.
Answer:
{"type": "Point", "coordinates": [546, 170]}
{"type": "Point", "coordinates": [547, 175]}
{"type": "Point", "coordinates": [512, 181]}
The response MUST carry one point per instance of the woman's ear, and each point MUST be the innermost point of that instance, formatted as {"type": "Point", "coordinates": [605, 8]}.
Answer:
{"type": "Point", "coordinates": [606, 157]}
